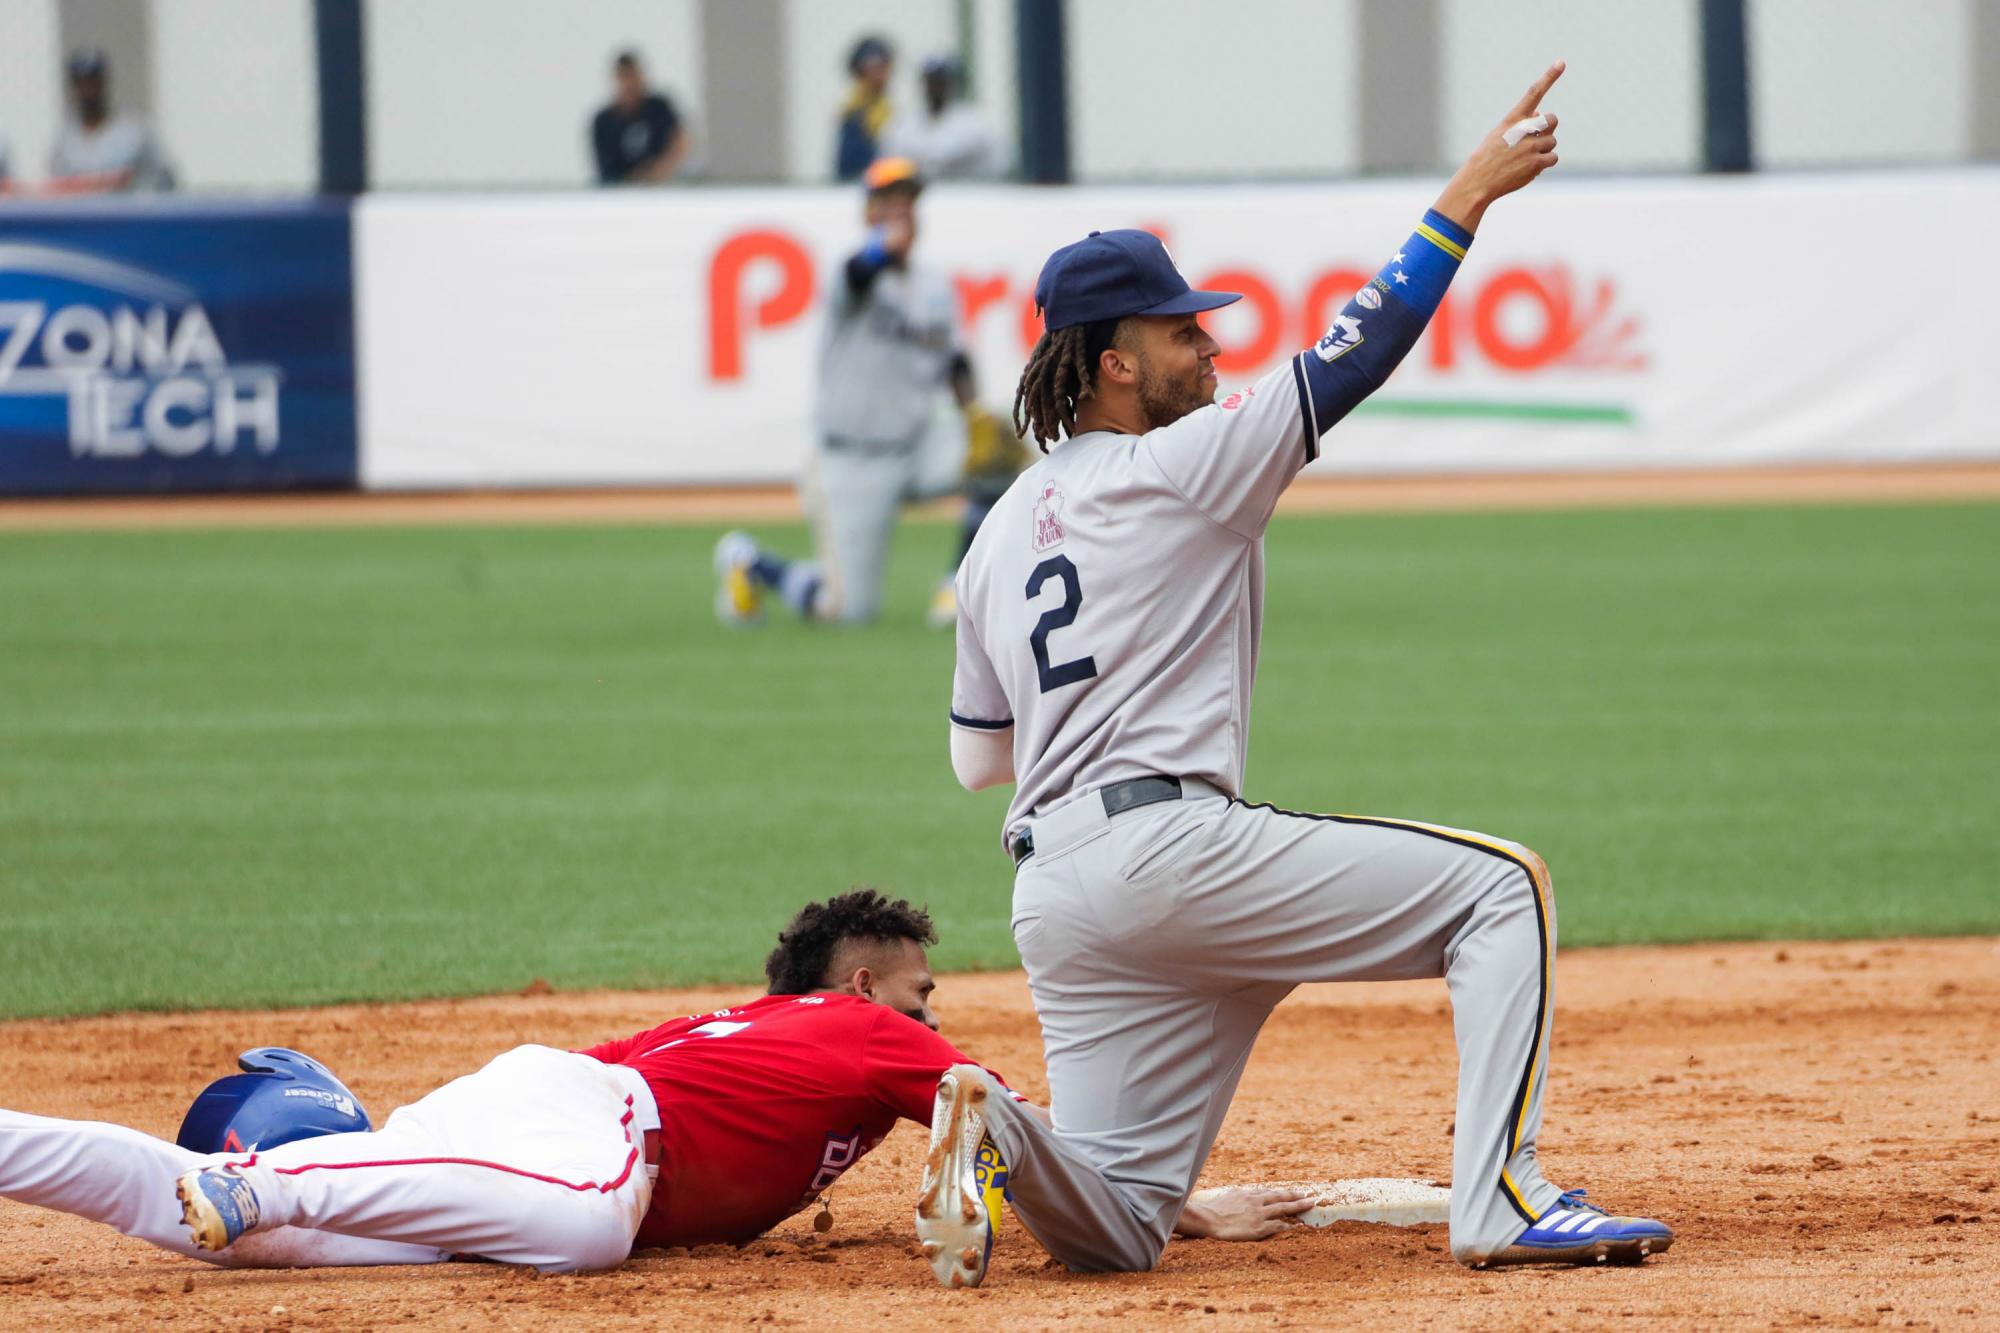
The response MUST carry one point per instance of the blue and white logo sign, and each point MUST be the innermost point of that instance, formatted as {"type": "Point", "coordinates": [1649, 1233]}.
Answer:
{"type": "Point", "coordinates": [143, 350]}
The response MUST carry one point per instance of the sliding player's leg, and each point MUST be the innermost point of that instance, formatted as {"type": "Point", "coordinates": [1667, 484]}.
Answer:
{"type": "Point", "coordinates": [125, 1179]}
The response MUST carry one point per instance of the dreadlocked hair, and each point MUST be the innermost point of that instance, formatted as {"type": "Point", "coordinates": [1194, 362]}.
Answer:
{"type": "Point", "coordinates": [805, 947]}
{"type": "Point", "coordinates": [1061, 373]}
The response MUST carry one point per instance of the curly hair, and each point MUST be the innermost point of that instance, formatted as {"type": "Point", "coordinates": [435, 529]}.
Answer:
{"type": "Point", "coordinates": [1061, 373]}
{"type": "Point", "coordinates": [806, 947]}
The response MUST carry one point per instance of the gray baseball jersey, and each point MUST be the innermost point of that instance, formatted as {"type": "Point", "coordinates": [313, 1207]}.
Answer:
{"type": "Point", "coordinates": [1136, 564]}
{"type": "Point", "coordinates": [885, 357]}
{"type": "Point", "coordinates": [1112, 605]}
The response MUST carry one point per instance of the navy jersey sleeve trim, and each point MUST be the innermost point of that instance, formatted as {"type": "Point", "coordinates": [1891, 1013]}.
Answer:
{"type": "Point", "coordinates": [980, 724]}
{"type": "Point", "coordinates": [1308, 414]}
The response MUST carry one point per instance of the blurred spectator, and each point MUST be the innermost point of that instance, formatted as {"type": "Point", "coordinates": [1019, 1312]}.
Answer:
{"type": "Point", "coordinates": [948, 138]}
{"type": "Point", "coordinates": [98, 151]}
{"type": "Point", "coordinates": [866, 112]}
{"type": "Point", "coordinates": [638, 138]}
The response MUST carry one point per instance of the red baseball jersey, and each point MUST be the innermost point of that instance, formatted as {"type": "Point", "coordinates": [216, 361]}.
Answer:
{"type": "Point", "coordinates": [764, 1105]}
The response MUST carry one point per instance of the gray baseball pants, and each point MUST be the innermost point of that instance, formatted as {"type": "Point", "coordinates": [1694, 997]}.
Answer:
{"type": "Point", "coordinates": [853, 493]}
{"type": "Point", "coordinates": [1158, 941]}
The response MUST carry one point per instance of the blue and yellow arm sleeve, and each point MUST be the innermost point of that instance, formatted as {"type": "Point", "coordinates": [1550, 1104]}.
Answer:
{"type": "Point", "coordinates": [1378, 327]}
{"type": "Point", "coordinates": [865, 263]}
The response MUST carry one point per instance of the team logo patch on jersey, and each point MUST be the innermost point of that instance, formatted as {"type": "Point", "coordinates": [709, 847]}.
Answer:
{"type": "Point", "coordinates": [1048, 518]}
{"type": "Point", "coordinates": [1338, 341]}
{"type": "Point", "coordinates": [1369, 298]}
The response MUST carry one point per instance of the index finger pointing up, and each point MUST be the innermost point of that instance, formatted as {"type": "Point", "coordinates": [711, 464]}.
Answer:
{"type": "Point", "coordinates": [1533, 97]}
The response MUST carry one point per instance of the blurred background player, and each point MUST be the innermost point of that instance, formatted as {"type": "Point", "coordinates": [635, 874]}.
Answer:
{"type": "Point", "coordinates": [947, 137]}
{"type": "Point", "coordinates": [98, 151]}
{"type": "Point", "coordinates": [638, 138]}
{"type": "Point", "coordinates": [891, 346]}
{"type": "Point", "coordinates": [866, 112]}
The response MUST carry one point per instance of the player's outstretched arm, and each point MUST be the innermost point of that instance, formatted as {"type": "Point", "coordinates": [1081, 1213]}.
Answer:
{"type": "Point", "coordinates": [1244, 1212]}
{"type": "Point", "coordinates": [1370, 338]}
{"type": "Point", "coordinates": [1238, 1212]}
{"type": "Point", "coordinates": [1521, 147]}
{"type": "Point", "coordinates": [1236, 479]}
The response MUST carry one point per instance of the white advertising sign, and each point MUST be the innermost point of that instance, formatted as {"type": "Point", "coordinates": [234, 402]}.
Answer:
{"type": "Point", "coordinates": [670, 338]}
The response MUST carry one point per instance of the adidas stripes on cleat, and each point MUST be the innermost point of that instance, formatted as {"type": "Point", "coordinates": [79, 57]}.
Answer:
{"type": "Point", "coordinates": [1575, 1232]}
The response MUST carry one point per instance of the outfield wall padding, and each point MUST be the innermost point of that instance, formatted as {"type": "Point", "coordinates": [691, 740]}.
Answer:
{"type": "Point", "coordinates": [166, 345]}
{"type": "Point", "coordinates": [670, 337]}
{"type": "Point", "coordinates": [1597, 324]}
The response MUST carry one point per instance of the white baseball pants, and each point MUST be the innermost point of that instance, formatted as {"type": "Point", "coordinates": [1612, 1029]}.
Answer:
{"type": "Point", "coordinates": [535, 1159]}
{"type": "Point", "coordinates": [1158, 941]}
{"type": "Point", "coordinates": [125, 1179]}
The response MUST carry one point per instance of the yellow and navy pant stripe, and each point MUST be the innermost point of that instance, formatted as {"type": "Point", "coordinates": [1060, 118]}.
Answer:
{"type": "Point", "coordinates": [1539, 884]}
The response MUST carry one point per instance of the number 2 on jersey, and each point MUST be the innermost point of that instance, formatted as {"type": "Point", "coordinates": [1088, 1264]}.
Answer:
{"type": "Point", "coordinates": [1055, 618]}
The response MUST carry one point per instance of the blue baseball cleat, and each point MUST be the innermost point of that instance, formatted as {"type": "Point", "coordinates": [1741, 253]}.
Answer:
{"type": "Point", "coordinates": [1575, 1232]}
{"type": "Point", "coordinates": [217, 1206]}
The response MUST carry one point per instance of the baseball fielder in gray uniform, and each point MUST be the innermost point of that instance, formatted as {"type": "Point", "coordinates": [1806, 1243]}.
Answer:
{"type": "Point", "coordinates": [891, 346]}
{"type": "Point", "coordinates": [1112, 608]}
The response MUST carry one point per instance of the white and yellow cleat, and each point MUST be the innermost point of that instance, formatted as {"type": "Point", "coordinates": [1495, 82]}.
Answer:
{"type": "Point", "coordinates": [955, 1215]}
{"type": "Point", "coordinates": [217, 1206]}
{"type": "Point", "coordinates": [944, 606]}
{"type": "Point", "coordinates": [738, 599]}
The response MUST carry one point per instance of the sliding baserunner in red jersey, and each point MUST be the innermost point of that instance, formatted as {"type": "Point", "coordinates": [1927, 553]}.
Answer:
{"type": "Point", "coordinates": [709, 1128]}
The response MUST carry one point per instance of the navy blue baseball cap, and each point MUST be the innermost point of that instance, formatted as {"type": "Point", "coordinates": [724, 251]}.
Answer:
{"type": "Point", "coordinates": [1112, 274]}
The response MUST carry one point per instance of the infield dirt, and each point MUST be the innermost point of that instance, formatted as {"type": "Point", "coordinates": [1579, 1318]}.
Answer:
{"type": "Point", "coordinates": [1818, 1122]}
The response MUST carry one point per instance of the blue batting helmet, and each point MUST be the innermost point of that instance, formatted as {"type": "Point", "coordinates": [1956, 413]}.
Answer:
{"type": "Point", "coordinates": [281, 1095]}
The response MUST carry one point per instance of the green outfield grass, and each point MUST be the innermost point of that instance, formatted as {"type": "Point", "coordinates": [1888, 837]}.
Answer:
{"type": "Point", "coordinates": [250, 767]}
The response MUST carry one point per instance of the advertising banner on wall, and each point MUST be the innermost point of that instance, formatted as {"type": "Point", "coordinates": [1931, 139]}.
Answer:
{"type": "Point", "coordinates": [671, 338]}
{"type": "Point", "coordinates": [160, 347]}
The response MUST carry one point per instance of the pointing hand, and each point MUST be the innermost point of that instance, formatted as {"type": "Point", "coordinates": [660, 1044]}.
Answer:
{"type": "Point", "coordinates": [1521, 147]}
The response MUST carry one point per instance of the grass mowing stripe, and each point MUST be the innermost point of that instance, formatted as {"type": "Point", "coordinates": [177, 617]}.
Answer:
{"type": "Point", "coordinates": [284, 767]}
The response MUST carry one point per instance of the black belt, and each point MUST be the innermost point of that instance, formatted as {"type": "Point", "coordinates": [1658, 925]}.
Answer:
{"type": "Point", "coordinates": [1118, 798]}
